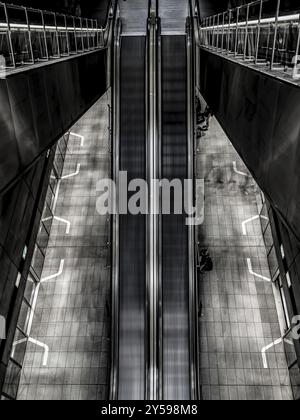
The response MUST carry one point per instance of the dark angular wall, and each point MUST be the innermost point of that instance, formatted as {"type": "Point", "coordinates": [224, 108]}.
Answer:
{"type": "Point", "coordinates": [260, 115]}
{"type": "Point", "coordinates": [37, 107]}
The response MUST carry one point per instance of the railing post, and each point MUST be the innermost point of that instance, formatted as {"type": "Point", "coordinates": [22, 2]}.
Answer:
{"type": "Point", "coordinates": [99, 34]}
{"type": "Point", "coordinates": [275, 35]}
{"type": "Point", "coordinates": [236, 31]}
{"type": "Point", "coordinates": [87, 33]}
{"type": "Point", "coordinates": [9, 36]}
{"type": "Point", "coordinates": [228, 35]}
{"type": "Point", "coordinates": [296, 66]}
{"type": "Point", "coordinates": [57, 35]}
{"type": "Point", "coordinates": [45, 35]}
{"type": "Point", "coordinates": [246, 32]}
{"type": "Point", "coordinates": [29, 34]}
{"type": "Point", "coordinates": [67, 35]}
{"type": "Point", "coordinates": [258, 31]}
{"type": "Point", "coordinates": [75, 34]}
{"type": "Point", "coordinates": [223, 27]}
{"type": "Point", "coordinates": [102, 37]}
{"type": "Point", "coordinates": [95, 25]}
{"type": "Point", "coordinates": [208, 31]}
{"type": "Point", "coordinates": [90, 32]}
{"type": "Point", "coordinates": [213, 31]}
{"type": "Point", "coordinates": [82, 41]}
{"type": "Point", "coordinates": [218, 31]}
{"type": "Point", "coordinates": [96, 33]}
{"type": "Point", "coordinates": [96, 37]}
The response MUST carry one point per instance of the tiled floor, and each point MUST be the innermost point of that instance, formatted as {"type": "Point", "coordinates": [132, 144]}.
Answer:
{"type": "Point", "coordinates": [70, 315]}
{"type": "Point", "coordinates": [239, 315]}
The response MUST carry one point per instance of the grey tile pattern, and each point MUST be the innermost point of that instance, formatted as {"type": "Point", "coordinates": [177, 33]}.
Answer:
{"type": "Point", "coordinates": [239, 315]}
{"type": "Point", "coordinates": [70, 316]}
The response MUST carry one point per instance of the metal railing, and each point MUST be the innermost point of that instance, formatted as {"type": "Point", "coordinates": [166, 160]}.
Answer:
{"type": "Point", "coordinates": [29, 36]}
{"type": "Point", "coordinates": [115, 38]}
{"type": "Point", "coordinates": [263, 33]}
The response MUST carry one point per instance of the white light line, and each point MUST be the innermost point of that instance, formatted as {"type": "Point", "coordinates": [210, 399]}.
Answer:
{"type": "Point", "coordinates": [281, 19]}
{"type": "Point", "coordinates": [16, 343]}
{"type": "Point", "coordinates": [80, 137]}
{"type": "Point", "coordinates": [244, 224]}
{"type": "Point", "coordinates": [48, 27]}
{"type": "Point", "coordinates": [56, 196]}
{"type": "Point", "coordinates": [249, 263]}
{"type": "Point", "coordinates": [59, 219]}
{"type": "Point", "coordinates": [32, 312]}
{"type": "Point", "coordinates": [44, 346]}
{"type": "Point", "coordinates": [237, 171]}
{"type": "Point", "coordinates": [73, 174]}
{"type": "Point", "coordinates": [269, 346]}
{"type": "Point", "coordinates": [36, 292]}
{"type": "Point", "coordinates": [265, 349]}
{"type": "Point", "coordinates": [54, 276]}
{"type": "Point", "coordinates": [37, 343]}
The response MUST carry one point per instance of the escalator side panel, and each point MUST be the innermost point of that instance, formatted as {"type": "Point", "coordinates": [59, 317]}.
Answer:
{"type": "Point", "coordinates": [132, 352]}
{"type": "Point", "coordinates": [176, 370]}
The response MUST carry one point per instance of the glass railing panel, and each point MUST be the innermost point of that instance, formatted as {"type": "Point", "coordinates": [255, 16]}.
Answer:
{"type": "Point", "coordinates": [265, 33]}
{"type": "Point", "coordinates": [29, 36]}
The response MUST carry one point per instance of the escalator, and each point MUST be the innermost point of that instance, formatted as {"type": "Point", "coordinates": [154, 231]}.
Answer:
{"type": "Point", "coordinates": [132, 354]}
{"type": "Point", "coordinates": [129, 242]}
{"type": "Point", "coordinates": [153, 304]}
{"type": "Point", "coordinates": [175, 273]}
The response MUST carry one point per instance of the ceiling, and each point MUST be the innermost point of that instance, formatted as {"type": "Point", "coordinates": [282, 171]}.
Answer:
{"type": "Point", "coordinates": [211, 7]}
{"type": "Point", "coordinates": [98, 8]}
{"type": "Point", "coordinates": [94, 6]}
{"type": "Point", "coordinates": [85, 8]}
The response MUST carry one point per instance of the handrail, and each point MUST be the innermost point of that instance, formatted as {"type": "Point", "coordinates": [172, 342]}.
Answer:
{"type": "Point", "coordinates": [153, 235]}
{"type": "Point", "coordinates": [193, 290]}
{"type": "Point", "coordinates": [259, 33]}
{"type": "Point", "coordinates": [116, 36]}
{"type": "Point", "coordinates": [31, 36]}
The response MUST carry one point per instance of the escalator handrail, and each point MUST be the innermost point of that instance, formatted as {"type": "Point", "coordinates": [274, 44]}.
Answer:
{"type": "Point", "coordinates": [152, 235]}
{"type": "Point", "coordinates": [193, 289]}
{"type": "Point", "coordinates": [159, 140]}
{"type": "Point", "coordinates": [115, 219]}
